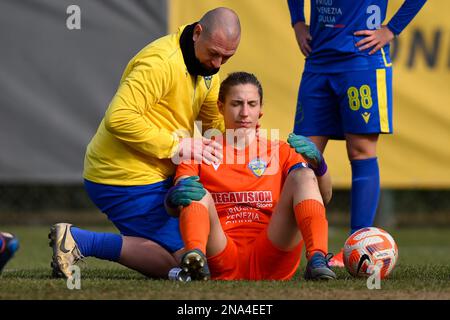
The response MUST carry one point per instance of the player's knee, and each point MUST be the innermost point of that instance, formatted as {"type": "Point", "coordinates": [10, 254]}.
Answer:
{"type": "Point", "coordinates": [302, 176]}
{"type": "Point", "coordinates": [361, 152]}
{"type": "Point", "coordinates": [207, 200]}
{"type": "Point", "coordinates": [362, 148]}
{"type": "Point", "coordinates": [326, 195]}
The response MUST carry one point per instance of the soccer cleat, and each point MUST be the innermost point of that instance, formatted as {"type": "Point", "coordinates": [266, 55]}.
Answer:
{"type": "Point", "coordinates": [178, 274]}
{"type": "Point", "coordinates": [338, 260]}
{"type": "Point", "coordinates": [9, 245]}
{"type": "Point", "coordinates": [318, 268]}
{"type": "Point", "coordinates": [194, 264]}
{"type": "Point", "coordinates": [65, 250]}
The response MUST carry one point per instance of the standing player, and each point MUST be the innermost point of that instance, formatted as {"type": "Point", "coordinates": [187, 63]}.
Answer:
{"type": "Point", "coordinates": [8, 246]}
{"type": "Point", "coordinates": [128, 168]}
{"type": "Point", "coordinates": [346, 86]}
{"type": "Point", "coordinates": [261, 200]}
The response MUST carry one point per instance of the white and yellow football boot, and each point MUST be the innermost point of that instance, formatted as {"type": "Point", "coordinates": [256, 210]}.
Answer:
{"type": "Point", "coordinates": [65, 250]}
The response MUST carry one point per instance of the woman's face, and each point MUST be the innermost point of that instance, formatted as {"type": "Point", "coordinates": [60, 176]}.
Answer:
{"type": "Point", "coordinates": [242, 107]}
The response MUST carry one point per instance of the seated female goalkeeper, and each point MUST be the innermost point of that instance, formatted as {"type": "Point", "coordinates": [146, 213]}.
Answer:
{"type": "Point", "coordinates": [248, 216]}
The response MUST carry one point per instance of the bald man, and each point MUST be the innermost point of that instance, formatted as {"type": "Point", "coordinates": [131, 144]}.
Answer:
{"type": "Point", "coordinates": [128, 166]}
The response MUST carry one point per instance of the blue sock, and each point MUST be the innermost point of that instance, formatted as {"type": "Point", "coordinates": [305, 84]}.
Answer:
{"type": "Point", "coordinates": [106, 246]}
{"type": "Point", "coordinates": [365, 192]}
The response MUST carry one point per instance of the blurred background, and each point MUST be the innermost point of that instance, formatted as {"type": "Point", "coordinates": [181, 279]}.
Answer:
{"type": "Point", "coordinates": [61, 62]}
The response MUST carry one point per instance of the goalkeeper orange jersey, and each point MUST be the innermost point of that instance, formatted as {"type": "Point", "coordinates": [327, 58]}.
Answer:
{"type": "Point", "coordinates": [246, 185]}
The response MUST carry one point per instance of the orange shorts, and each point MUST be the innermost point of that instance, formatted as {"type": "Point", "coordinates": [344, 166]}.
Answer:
{"type": "Point", "coordinates": [255, 259]}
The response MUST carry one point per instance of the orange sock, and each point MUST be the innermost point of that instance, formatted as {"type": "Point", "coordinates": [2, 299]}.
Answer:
{"type": "Point", "coordinates": [313, 224]}
{"type": "Point", "coordinates": [194, 226]}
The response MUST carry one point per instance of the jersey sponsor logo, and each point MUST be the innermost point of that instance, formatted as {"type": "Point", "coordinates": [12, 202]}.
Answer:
{"type": "Point", "coordinates": [242, 197]}
{"type": "Point", "coordinates": [329, 11]}
{"type": "Point", "coordinates": [243, 217]}
{"type": "Point", "coordinates": [208, 80]}
{"type": "Point", "coordinates": [328, 15]}
{"type": "Point", "coordinates": [257, 166]}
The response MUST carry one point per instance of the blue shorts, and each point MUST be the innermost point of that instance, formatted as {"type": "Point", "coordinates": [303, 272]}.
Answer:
{"type": "Point", "coordinates": [138, 211]}
{"type": "Point", "coordinates": [332, 104]}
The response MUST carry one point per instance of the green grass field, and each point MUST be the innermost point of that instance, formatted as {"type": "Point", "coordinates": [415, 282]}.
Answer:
{"type": "Point", "coordinates": [422, 272]}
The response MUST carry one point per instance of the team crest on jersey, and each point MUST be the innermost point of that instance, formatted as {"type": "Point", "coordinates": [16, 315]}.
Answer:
{"type": "Point", "coordinates": [208, 80]}
{"type": "Point", "coordinates": [258, 166]}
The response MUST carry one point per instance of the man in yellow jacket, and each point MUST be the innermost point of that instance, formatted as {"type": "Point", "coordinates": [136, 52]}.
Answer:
{"type": "Point", "coordinates": [128, 166]}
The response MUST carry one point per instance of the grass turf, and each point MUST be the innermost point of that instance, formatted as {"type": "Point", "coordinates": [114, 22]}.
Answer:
{"type": "Point", "coordinates": [422, 272]}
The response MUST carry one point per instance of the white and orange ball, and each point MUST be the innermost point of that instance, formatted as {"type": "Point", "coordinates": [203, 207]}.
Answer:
{"type": "Point", "coordinates": [369, 249]}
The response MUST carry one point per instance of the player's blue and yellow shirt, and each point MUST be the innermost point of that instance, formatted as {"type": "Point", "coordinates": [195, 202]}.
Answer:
{"type": "Point", "coordinates": [156, 103]}
{"type": "Point", "coordinates": [332, 27]}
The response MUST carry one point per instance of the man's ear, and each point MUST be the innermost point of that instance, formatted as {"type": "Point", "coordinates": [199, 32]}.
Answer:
{"type": "Point", "coordinates": [220, 106]}
{"type": "Point", "coordinates": [197, 31]}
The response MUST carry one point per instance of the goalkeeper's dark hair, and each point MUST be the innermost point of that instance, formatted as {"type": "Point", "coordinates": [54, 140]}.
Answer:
{"type": "Point", "coordinates": [237, 78]}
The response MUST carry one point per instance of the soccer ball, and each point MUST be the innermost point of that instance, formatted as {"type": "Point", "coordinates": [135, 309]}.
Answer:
{"type": "Point", "coordinates": [369, 249]}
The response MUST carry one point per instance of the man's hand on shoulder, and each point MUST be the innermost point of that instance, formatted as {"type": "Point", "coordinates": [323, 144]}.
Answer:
{"type": "Point", "coordinates": [199, 149]}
